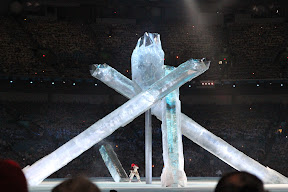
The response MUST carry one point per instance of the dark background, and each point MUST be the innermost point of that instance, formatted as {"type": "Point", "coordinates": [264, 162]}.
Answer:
{"type": "Point", "coordinates": [48, 96]}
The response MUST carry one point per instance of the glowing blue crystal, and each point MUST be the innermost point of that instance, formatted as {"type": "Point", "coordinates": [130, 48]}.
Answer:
{"type": "Point", "coordinates": [173, 172]}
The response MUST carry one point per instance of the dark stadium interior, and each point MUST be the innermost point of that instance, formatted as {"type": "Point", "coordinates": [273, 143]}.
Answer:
{"type": "Point", "coordinates": [48, 96]}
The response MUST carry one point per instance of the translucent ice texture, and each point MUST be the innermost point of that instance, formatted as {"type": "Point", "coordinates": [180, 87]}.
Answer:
{"type": "Point", "coordinates": [147, 63]}
{"type": "Point", "coordinates": [147, 60]}
{"type": "Point", "coordinates": [112, 163]}
{"type": "Point", "coordinates": [49, 164]}
{"type": "Point", "coordinates": [173, 172]}
{"type": "Point", "coordinates": [214, 144]}
{"type": "Point", "coordinates": [228, 153]}
{"type": "Point", "coordinates": [107, 74]}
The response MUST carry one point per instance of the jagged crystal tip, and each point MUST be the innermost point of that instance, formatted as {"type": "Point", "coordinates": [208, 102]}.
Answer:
{"type": "Point", "coordinates": [147, 60]}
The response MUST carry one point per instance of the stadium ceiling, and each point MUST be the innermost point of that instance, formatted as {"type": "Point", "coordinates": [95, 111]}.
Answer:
{"type": "Point", "coordinates": [222, 4]}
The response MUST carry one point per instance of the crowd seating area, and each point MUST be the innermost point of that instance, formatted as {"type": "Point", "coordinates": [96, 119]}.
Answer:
{"type": "Point", "coordinates": [30, 130]}
{"type": "Point", "coordinates": [255, 49]}
{"type": "Point", "coordinates": [38, 47]}
{"type": "Point", "coordinates": [16, 50]}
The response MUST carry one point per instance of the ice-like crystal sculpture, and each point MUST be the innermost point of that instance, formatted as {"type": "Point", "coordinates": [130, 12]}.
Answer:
{"type": "Point", "coordinates": [173, 172]}
{"type": "Point", "coordinates": [228, 153]}
{"type": "Point", "coordinates": [210, 142]}
{"type": "Point", "coordinates": [44, 167]}
{"type": "Point", "coordinates": [112, 163]}
{"type": "Point", "coordinates": [106, 73]}
{"type": "Point", "coordinates": [147, 60]}
{"type": "Point", "coordinates": [147, 63]}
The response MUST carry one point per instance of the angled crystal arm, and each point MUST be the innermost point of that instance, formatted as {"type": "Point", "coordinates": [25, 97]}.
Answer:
{"type": "Point", "coordinates": [214, 144]}
{"type": "Point", "coordinates": [228, 153]}
{"type": "Point", "coordinates": [49, 164]}
{"type": "Point", "coordinates": [107, 74]}
{"type": "Point", "coordinates": [112, 163]}
{"type": "Point", "coordinates": [128, 88]}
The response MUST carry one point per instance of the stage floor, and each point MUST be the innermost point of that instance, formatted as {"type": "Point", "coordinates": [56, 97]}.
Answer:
{"type": "Point", "coordinates": [195, 184]}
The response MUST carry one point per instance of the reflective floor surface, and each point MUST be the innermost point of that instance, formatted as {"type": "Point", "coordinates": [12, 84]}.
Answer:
{"type": "Point", "coordinates": [195, 184]}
